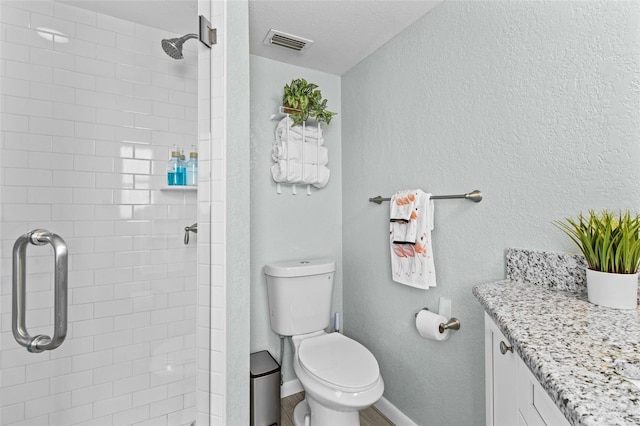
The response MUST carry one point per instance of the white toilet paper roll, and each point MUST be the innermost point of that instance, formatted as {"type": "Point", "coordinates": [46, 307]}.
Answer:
{"type": "Point", "coordinates": [428, 322]}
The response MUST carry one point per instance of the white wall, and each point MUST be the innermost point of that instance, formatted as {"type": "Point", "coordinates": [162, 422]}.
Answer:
{"type": "Point", "coordinates": [286, 226]}
{"type": "Point", "coordinates": [86, 127]}
{"type": "Point", "coordinates": [534, 103]}
{"type": "Point", "coordinates": [235, 208]}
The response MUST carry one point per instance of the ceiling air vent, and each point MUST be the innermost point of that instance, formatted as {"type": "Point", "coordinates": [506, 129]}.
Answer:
{"type": "Point", "coordinates": [290, 41]}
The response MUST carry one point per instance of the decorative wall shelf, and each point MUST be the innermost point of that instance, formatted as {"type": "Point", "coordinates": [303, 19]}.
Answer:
{"type": "Point", "coordinates": [294, 170]}
{"type": "Point", "coordinates": [179, 188]}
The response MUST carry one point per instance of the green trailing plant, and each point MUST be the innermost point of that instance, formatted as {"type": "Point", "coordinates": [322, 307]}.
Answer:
{"type": "Point", "coordinates": [609, 242]}
{"type": "Point", "coordinates": [303, 100]}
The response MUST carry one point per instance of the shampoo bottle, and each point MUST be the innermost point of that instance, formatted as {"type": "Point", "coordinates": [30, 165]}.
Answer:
{"type": "Point", "coordinates": [192, 167]}
{"type": "Point", "coordinates": [172, 167]}
{"type": "Point", "coordinates": [182, 170]}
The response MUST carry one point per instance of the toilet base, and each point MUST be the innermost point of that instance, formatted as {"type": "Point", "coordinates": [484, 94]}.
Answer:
{"type": "Point", "coordinates": [300, 412]}
{"type": "Point", "coordinates": [322, 416]}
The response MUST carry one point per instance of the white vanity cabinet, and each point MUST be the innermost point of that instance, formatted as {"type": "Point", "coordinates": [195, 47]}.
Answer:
{"type": "Point", "coordinates": [501, 377]}
{"type": "Point", "coordinates": [513, 395]}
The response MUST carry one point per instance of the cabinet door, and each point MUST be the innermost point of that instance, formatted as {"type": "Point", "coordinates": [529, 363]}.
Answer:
{"type": "Point", "coordinates": [535, 406]}
{"type": "Point", "coordinates": [501, 369]}
{"type": "Point", "coordinates": [521, 421]}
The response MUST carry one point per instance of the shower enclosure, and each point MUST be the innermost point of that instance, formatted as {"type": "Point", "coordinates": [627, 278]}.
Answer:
{"type": "Point", "coordinates": [90, 106]}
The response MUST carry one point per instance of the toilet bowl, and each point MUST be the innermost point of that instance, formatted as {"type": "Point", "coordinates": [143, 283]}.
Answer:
{"type": "Point", "coordinates": [339, 375]}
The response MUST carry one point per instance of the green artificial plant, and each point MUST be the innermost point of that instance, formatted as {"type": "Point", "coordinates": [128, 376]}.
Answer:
{"type": "Point", "coordinates": [609, 242]}
{"type": "Point", "coordinates": [303, 100]}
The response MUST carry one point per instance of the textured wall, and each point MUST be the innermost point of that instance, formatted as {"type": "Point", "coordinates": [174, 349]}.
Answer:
{"type": "Point", "coordinates": [285, 226]}
{"type": "Point", "coordinates": [536, 104]}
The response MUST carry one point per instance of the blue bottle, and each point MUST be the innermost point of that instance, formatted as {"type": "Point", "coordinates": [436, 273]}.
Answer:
{"type": "Point", "coordinates": [181, 175]}
{"type": "Point", "coordinates": [172, 168]}
{"type": "Point", "coordinates": [192, 167]}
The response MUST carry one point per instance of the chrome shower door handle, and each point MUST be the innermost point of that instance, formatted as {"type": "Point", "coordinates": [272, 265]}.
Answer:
{"type": "Point", "coordinates": [40, 342]}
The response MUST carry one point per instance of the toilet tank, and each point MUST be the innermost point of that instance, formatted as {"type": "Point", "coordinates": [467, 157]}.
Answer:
{"type": "Point", "coordinates": [300, 295]}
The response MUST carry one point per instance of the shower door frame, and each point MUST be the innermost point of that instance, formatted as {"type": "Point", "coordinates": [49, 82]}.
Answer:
{"type": "Point", "coordinates": [210, 349]}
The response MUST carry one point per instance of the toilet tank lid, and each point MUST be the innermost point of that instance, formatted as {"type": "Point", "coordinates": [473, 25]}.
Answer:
{"type": "Point", "coordinates": [300, 268]}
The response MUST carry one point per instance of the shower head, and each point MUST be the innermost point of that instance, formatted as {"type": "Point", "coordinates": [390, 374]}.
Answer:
{"type": "Point", "coordinates": [173, 46]}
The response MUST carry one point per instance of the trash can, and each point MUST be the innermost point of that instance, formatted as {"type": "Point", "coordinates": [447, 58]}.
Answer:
{"type": "Point", "coordinates": [265, 389]}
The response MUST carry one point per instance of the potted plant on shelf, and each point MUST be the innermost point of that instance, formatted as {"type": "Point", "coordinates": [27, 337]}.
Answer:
{"type": "Point", "coordinates": [303, 100]}
{"type": "Point", "coordinates": [610, 244]}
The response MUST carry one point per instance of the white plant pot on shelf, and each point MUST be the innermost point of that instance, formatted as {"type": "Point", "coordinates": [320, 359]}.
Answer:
{"type": "Point", "coordinates": [618, 291]}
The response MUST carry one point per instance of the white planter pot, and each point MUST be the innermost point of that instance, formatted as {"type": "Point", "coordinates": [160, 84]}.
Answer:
{"type": "Point", "coordinates": [619, 291]}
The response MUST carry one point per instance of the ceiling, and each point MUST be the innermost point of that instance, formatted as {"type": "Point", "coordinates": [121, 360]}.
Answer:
{"type": "Point", "coordinates": [344, 32]}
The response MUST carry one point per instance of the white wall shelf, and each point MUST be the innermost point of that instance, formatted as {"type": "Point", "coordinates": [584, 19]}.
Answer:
{"type": "Point", "coordinates": [179, 188]}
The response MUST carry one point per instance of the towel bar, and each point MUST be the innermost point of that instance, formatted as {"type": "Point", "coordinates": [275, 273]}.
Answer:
{"type": "Point", "coordinates": [475, 196]}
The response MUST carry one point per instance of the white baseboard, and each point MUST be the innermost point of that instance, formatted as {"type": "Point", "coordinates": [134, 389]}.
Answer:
{"type": "Point", "coordinates": [383, 405]}
{"type": "Point", "coordinates": [392, 413]}
{"type": "Point", "coordinates": [289, 388]}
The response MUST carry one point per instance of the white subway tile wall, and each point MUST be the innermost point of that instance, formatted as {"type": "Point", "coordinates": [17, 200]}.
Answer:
{"type": "Point", "coordinates": [88, 116]}
{"type": "Point", "coordinates": [212, 304]}
{"type": "Point", "coordinates": [208, 359]}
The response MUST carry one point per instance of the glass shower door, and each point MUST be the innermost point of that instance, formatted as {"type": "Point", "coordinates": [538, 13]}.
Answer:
{"type": "Point", "coordinates": [90, 105]}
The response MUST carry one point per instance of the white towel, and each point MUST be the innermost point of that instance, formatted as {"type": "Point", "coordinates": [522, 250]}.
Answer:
{"type": "Point", "coordinates": [402, 204]}
{"type": "Point", "coordinates": [285, 132]}
{"type": "Point", "coordinates": [292, 151]}
{"type": "Point", "coordinates": [291, 172]}
{"type": "Point", "coordinates": [412, 263]}
{"type": "Point", "coordinates": [402, 209]}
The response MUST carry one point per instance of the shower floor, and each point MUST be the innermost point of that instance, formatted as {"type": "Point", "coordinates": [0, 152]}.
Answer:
{"type": "Point", "coordinates": [368, 417]}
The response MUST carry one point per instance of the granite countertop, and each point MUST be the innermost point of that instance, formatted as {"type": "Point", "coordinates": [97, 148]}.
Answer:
{"type": "Point", "coordinates": [569, 344]}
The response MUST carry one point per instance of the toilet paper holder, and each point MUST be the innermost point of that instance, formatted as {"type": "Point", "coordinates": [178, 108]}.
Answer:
{"type": "Point", "coordinates": [452, 324]}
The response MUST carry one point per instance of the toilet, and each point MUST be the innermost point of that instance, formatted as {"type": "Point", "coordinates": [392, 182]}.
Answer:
{"type": "Point", "coordinates": [339, 375]}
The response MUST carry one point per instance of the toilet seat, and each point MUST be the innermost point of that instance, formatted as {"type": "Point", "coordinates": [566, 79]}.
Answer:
{"type": "Point", "coordinates": [339, 362]}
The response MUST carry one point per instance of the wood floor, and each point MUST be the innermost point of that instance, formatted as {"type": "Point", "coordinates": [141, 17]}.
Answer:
{"type": "Point", "coordinates": [368, 417]}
